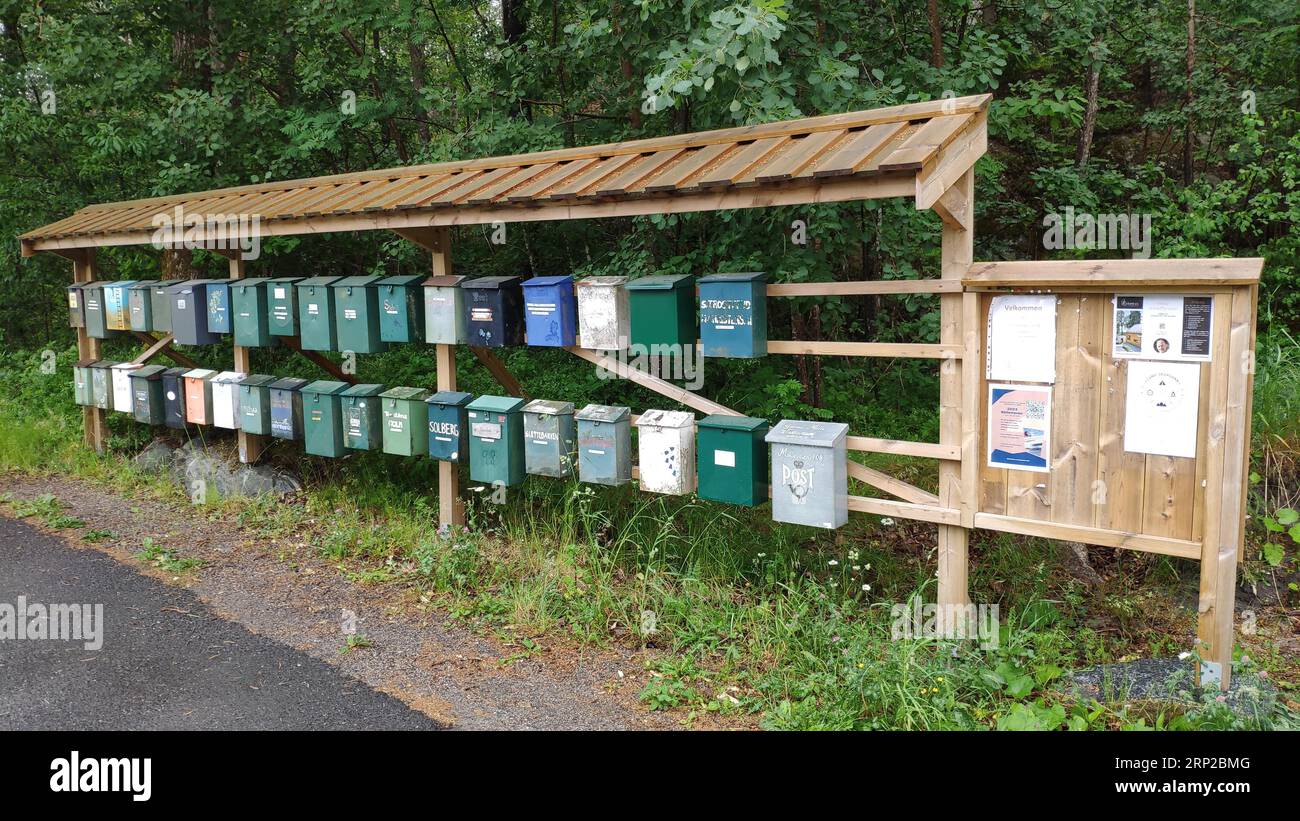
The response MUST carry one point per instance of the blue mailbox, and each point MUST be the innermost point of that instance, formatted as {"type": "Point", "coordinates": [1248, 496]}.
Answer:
{"type": "Point", "coordinates": [448, 433]}
{"type": "Point", "coordinates": [494, 311]}
{"type": "Point", "coordinates": [733, 315]}
{"type": "Point", "coordinates": [551, 311]}
{"type": "Point", "coordinates": [219, 306]}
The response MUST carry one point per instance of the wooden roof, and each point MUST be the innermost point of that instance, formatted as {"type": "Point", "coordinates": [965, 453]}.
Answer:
{"type": "Point", "coordinates": [894, 151]}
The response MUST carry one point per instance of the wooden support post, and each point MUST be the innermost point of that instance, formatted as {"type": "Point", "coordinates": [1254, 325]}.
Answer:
{"type": "Point", "coordinates": [957, 212]}
{"type": "Point", "coordinates": [1225, 516]}
{"type": "Point", "coordinates": [94, 420]}
{"type": "Point", "coordinates": [451, 508]}
{"type": "Point", "coordinates": [251, 445]}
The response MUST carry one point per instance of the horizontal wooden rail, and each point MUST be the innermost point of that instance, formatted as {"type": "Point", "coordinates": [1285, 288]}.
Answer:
{"type": "Point", "coordinates": [1181, 548]}
{"type": "Point", "coordinates": [889, 286]}
{"type": "Point", "coordinates": [900, 447]}
{"type": "Point", "coordinates": [905, 510]}
{"type": "Point", "coordinates": [1113, 274]}
{"type": "Point", "coordinates": [887, 350]}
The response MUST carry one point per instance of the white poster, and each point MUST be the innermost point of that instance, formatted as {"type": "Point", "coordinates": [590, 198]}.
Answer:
{"type": "Point", "coordinates": [1161, 409]}
{"type": "Point", "coordinates": [1022, 338]}
{"type": "Point", "coordinates": [1172, 327]}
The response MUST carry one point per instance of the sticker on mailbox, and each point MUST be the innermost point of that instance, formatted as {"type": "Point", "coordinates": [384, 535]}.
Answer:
{"type": "Point", "coordinates": [725, 458]}
{"type": "Point", "coordinates": [349, 313]}
{"type": "Point", "coordinates": [480, 314]}
{"type": "Point", "coordinates": [486, 430]}
{"type": "Point", "coordinates": [279, 293]}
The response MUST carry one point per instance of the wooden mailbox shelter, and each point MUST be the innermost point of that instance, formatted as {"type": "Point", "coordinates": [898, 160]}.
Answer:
{"type": "Point", "coordinates": [1191, 508]}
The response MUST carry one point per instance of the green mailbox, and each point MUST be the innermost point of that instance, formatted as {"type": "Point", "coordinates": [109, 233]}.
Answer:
{"type": "Point", "coordinates": [147, 394]}
{"type": "Point", "coordinates": [663, 312]}
{"type": "Point", "coordinates": [249, 316]}
{"type": "Point", "coordinates": [82, 388]}
{"type": "Point", "coordinates": [496, 440]}
{"type": "Point", "coordinates": [255, 404]}
{"type": "Point", "coordinates": [356, 312]}
{"type": "Point", "coordinates": [282, 305]}
{"type": "Point", "coordinates": [101, 384]}
{"type": "Point", "coordinates": [362, 417]}
{"type": "Point", "coordinates": [732, 459]}
{"type": "Point", "coordinates": [140, 305]}
{"type": "Point", "coordinates": [92, 300]}
{"type": "Point", "coordinates": [406, 421]}
{"type": "Point", "coordinates": [401, 309]}
{"type": "Point", "coordinates": [316, 314]}
{"type": "Point", "coordinates": [322, 418]}
{"type": "Point", "coordinates": [160, 306]}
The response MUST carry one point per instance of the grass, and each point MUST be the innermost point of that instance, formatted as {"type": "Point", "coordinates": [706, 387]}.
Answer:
{"type": "Point", "coordinates": [732, 613]}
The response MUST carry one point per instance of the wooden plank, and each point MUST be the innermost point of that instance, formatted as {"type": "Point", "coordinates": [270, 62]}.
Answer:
{"type": "Point", "coordinates": [499, 372]}
{"type": "Point", "coordinates": [972, 398]}
{"type": "Point", "coordinates": [898, 447]}
{"type": "Point", "coordinates": [451, 507]}
{"type": "Point", "coordinates": [993, 481]}
{"type": "Point", "coordinates": [420, 197]}
{"type": "Point", "coordinates": [955, 159]}
{"type": "Point", "coordinates": [888, 286]}
{"type": "Point", "coordinates": [401, 192]}
{"type": "Point", "coordinates": [807, 151]}
{"type": "Point", "coordinates": [579, 183]}
{"type": "Point", "coordinates": [495, 190]}
{"type": "Point", "coordinates": [1088, 535]}
{"type": "Point", "coordinates": [156, 346]}
{"type": "Point", "coordinates": [1076, 408]}
{"type": "Point", "coordinates": [563, 172]}
{"type": "Point", "coordinates": [630, 179]}
{"type": "Point", "coordinates": [1214, 403]}
{"type": "Point", "coordinates": [677, 175]}
{"type": "Point", "coordinates": [739, 163]}
{"type": "Point", "coordinates": [906, 350]}
{"type": "Point", "coordinates": [926, 142]}
{"type": "Point", "coordinates": [889, 484]}
{"type": "Point", "coordinates": [1120, 473]}
{"type": "Point", "coordinates": [654, 383]}
{"type": "Point", "coordinates": [462, 192]}
{"type": "Point", "coordinates": [905, 510]}
{"type": "Point", "coordinates": [1116, 274]}
{"type": "Point", "coordinates": [858, 149]}
{"type": "Point", "coordinates": [316, 357]}
{"type": "Point", "coordinates": [94, 420]}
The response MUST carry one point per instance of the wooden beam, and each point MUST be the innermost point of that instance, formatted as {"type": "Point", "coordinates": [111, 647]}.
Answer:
{"type": "Point", "coordinates": [331, 368]}
{"type": "Point", "coordinates": [905, 510]}
{"type": "Point", "coordinates": [890, 485]}
{"type": "Point", "coordinates": [499, 371]}
{"type": "Point", "coordinates": [899, 447]}
{"type": "Point", "coordinates": [1089, 535]}
{"type": "Point", "coordinates": [94, 421]}
{"type": "Point", "coordinates": [251, 445]}
{"type": "Point", "coordinates": [887, 350]}
{"type": "Point", "coordinates": [451, 507]}
{"type": "Point", "coordinates": [889, 286]}
{"type": "Point", "coordinates": [956, 159]}
{"type": "Point", "coordinates": [654, 383]}
{"type": "Point", "coordinates": [1114, 274]}
{"type": "Point", "coordinates": [156, 346]}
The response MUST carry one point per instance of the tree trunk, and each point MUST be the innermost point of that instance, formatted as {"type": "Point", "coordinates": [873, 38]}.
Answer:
{"type": "Point", "coordinates": [936, 34]}
{"type": "Point", "coordinates": [1188, 97]}
{"type": "Point", "coordinates": [1089, 112]}
{"type": "Point", "coordinates": [514, 28]}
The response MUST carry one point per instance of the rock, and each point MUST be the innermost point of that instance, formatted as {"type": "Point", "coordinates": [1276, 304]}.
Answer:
{"type": "Point", "coordinates": [1171, 680]}
{"type": "Point", "coordinates": [155, 458]}
{"type": "Point", "coordinates": [210, 473]}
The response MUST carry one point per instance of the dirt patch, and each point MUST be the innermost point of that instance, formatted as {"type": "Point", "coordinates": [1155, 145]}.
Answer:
{"type": "Point", "coordinates": [435, 664]}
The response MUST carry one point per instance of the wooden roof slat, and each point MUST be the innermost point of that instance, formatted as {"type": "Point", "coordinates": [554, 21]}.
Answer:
{"type": "Point", "coordinates": [630, 178]}
{"type": "Point", "coordinates": [298, 208]}
{"type": "Point", "coordinates": [418, 187]}
{"type": "Point", "coordinates": [86, 223]}
{"type": "Point", "coordinates": [800, 157]}
{"type": "Point", "coordinates": [453, 183]}
{"type": "Point", "coordinates": [925, 142]}
{"type": "Point", "coordinates": [857, 150]}
{"type": "Point", "coordinates": [343, 194]}
{"type": "Point", "coordinates": [535, 189]}
{"type": "Point", "coordinates": [575, 185]}
{"type": "Point", "coordinates": [485, 179]}
{"type": "Point", "coordinates": [679, 173]}
{"type": "Point", "coordinates": [740, 163]}
{"type": "Point", "coordinates": [496, 189]}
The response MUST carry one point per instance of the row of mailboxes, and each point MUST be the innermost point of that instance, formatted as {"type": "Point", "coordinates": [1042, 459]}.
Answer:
{"type": "Point", "coordinates": [365, 314]}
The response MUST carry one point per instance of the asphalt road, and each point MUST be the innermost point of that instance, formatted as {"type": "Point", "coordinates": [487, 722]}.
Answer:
{"type": "Point", "coordinates": [167, 662]}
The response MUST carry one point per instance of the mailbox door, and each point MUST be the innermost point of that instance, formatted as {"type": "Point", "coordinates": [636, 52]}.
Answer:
{"type": "Point", "coordinates": [401, 309]}
{"type": "Point", "coordinates": [76, 311]}
{"type": "Point", "coordinates": [248, 307]}
{"type": "Point", "coordinates": [141, 307]}
{"type": "Point", "coordinates": [662, 460]}
{"type": "Point", "coordinates": [444, 315]}
{"type": "Point", "coordinates": [548, 444]}
{"type": "Point", "coordinates": [82, 391]}
{"type": "Point", "coordinates": [101, 388]}
{"type": "Point", "coordinates": [406, 421]}
{"type": "Point", "coordinates": [218, 306]}
{"type": "Point", "coordinates": [603, 313]}
{"type": "Point", "coordinates": [316, 318]}
{"type": "Point", "coordinates": [550, 311]}
{"type": "Point", "coordinates": [496, 447]}
{"type": "Point", "coordinates": [160, 309]}
{"type": "Point", "coordinates": [147, 398]}
{"type": "Point", "coordinates": [117, 310]}
{"type": "Point", "coordinates": [286, 413]}
{"type": "Point", "coordinates": [356, 311]}
{"type": "Point", "coordinates": [174, 399]}
{"type": "Point", "coordinates": [809, 473]}
{"type": "Point", "coordinates": [322, 424]}
{"type": "Point", "coordinates": [282, 307]}
{"type": "Point", "coordinates": [448, 434]}
{"type": "Point", "coordinates": [255, 409]}
{"type": "Point", "coordinates": [190, 315]}
{"type": "Point", "coordinates": [359, 418]}
{"type": "Point", "coordinates": [92, 299]}
{"type": "Point", "coordinates": [732, 460]}
{"type": "Point", "coordinates": [123, 402]}
{"type": "Point", "coordinates": [484, 318]}
{"type": "Point", "coordinates": [733, 316]}
{"type": "Point", "coordinates": [194, 401]}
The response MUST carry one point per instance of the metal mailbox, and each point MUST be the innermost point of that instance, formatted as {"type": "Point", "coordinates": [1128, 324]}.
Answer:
{"type": "Point", "coordinates": [322, 418]}
{"type": "Point", "coordinates": [147, 395]}
{"type": "Point", "coordinates": [250, 318]}
{"type": "Point", "coordinates": [173, 381]}
{"type": "Point", "coordinates": [225, 399]}
{"type": "Point", "coordinates": [810, 481]}
{"type": "Point", "coordinates": [255, 404]}
{"type": "Point", "coordinates": [101, 384]}
{"type": "Point", "coordinates": [448, 433]}
{"type": "Point", "coordinates": [603, 323]}
{"type": "Point", "coordinates": [189, 313]}
{"type": "Point", "coordinates": [117, 307]}
{"type": "Point", "coordinates": [604, 445]}
{"type": "Point", "coordinates": [733, 315]}
{"type": "Point", "coordinates": [401, 308]}
{"type": "Point", "coordinates": [218, 300]}
{"type": "Point", "coordinates": [316, 314]}
{"type": "Point", "coordinates": [549, 438]}
{"type": "Point", "coordinates": [663, 310]}
{"type": "Point", "coordinates": [286, 407]}
{"type": "Point", "coordinates": [282, 305]}
{"type": "Point", "coordinates": [444, 311]}
{"type": "Point", "coordinates": [122, 400]}
{"type": "Point", "coordinates": [356, 311]}
{"type": "Point", "coordinates": [76, 306]}
{"type": "Point", "coordinates": [494, 308]}
{"type": "Point", "coordinates": [160, 306]}
{"type": "Point", "coordinates": [732, 459]}
{"type": "Point", "coordinates": [406, 421]}
{"type": "Point", "coordinates": [496, 440]}
{"type": "Point", "coordinates": [666, 451]}
{"type": "Point", "coordinates": [550, 311]}
{"type": "Point", "coordinates": [92, 300]}
{"type": "Point", "coordinates": [198, 396]}
{"type": "Point", "coordinates": [82, 388]}
{"type": "Point", "coordinates": [140, 304]}
{"type": "Point", "coordinates": [362, 417]}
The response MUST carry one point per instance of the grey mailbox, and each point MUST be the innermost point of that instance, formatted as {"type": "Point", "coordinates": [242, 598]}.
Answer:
{"type": "Point", "coordinates": [605, 444]}
{"type": "Point", "coordinates": [444, 311]}
{"type": "Point", "coordinates": [810, 480]}
{"type": "Point", "coordinates": [548, 438]}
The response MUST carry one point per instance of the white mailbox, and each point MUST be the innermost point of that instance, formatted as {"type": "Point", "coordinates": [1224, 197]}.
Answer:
{"type": "Point", "coordinates": [810, 474]}
{"type": "Point", "coordinates": [666, 449]}
{"type": "Point", "coordinates": [122, 397]}
{"type": "Point", "coordinates": [225, 399]}
{"type": "Point", "coordinates": [603, 323]}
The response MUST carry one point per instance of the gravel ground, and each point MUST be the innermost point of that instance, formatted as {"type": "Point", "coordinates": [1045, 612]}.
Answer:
{"type": "Point", "coordinates": [438, 666]}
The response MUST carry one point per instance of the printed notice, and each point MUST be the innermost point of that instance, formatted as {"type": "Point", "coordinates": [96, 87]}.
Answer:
{"type": "Point", "coordinates": [1161, 408]}
{"type": "Point", "coordinates": [1022, 338]}
{"type": "Point", "coordinates": [1020, 425]}
{"type": "Point", "coordinates": [1169, 327]}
